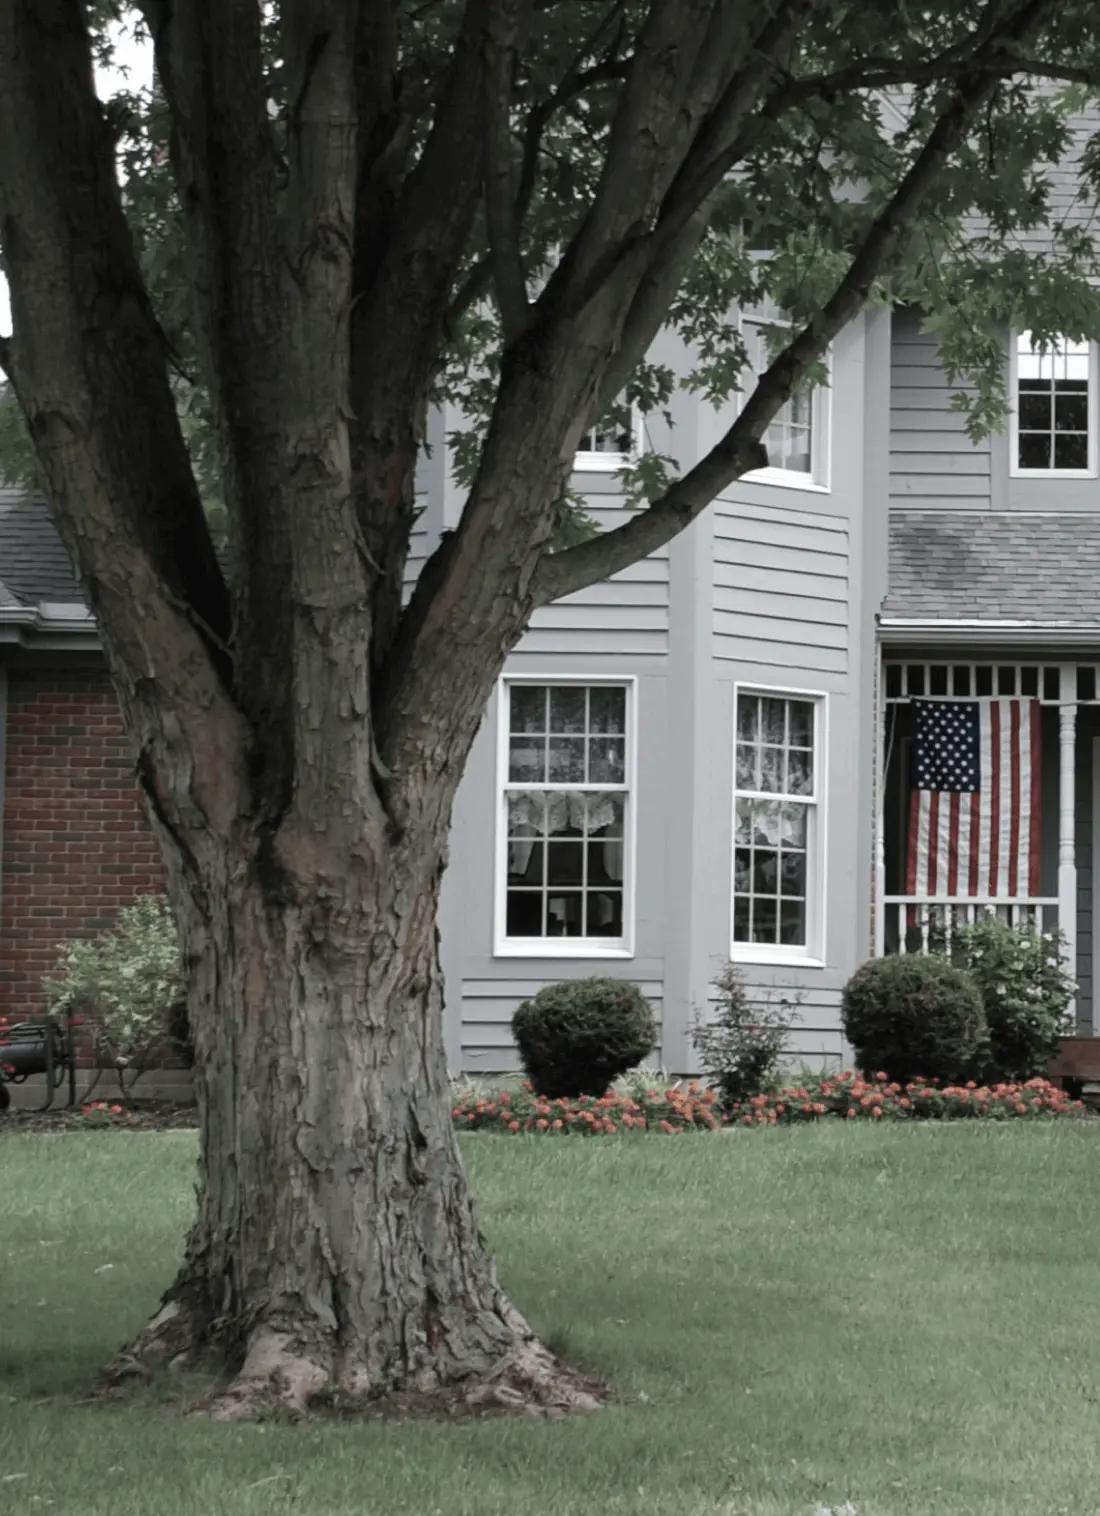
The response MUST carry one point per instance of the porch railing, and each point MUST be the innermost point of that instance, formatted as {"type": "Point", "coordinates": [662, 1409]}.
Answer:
{"type": "Point", "coordinates": [916, 924]}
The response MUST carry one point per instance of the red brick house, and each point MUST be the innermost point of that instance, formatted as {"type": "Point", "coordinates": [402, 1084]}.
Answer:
{"type": "Point", "coordinates": [74, 844]}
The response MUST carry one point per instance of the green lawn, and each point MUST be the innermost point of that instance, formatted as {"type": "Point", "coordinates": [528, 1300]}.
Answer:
{"type": "Point", "coordinates": [907, 1318]}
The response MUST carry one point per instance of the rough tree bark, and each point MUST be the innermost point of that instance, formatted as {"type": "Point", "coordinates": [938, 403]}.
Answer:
{"type": "Point", "coordinates": [299, 736]}
{"type": "Point", "coordinates": [336, 1255]}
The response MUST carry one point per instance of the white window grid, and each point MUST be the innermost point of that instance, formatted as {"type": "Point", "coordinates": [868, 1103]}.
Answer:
{"type": "Point", "coordinates": [581, 799]}
{"type": "Point", "coordinates": [776, 858]}
{"type": "Point", "coordinates": [1054, 409]}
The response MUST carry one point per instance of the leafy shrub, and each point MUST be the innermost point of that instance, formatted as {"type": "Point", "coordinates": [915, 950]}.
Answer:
{"type": "Point", "coordinates": [130, 979]}
{"type": "Point", "coordinates": [911, 1015]}
{"type": "Point", "coordinates": [1025, 992]}
{"type": "Point", "coordinates": [578, 1036]}
{"type": "Point", "coordinates": [740, 1046]}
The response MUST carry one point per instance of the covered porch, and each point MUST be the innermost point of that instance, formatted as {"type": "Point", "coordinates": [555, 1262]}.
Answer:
{"type": "Point", "coordinates": [1048, 826]}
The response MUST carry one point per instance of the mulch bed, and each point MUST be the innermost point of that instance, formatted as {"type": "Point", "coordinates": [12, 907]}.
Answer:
{"type": "Point", "coordinates": [145, 1116]}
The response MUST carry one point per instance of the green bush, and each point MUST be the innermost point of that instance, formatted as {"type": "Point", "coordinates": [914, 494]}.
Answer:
{"type": "Point", "coordinates": [911, 1017]}
{"type": "Point", "coordinates": [740, 1046]}
{"type": "Point", "coordinates": [130, 981]}
{"type": "Point", "coordinates": [577, 1037]}
{"type": "Point", "coordinates": [1025, 992]}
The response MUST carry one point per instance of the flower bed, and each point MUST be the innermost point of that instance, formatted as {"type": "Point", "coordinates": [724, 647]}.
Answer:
{"type": "Point", "coordinates": [847, 1097]}
{"type": "Point", "coordinates": [673, 1110]}
{"type": "Point", "coordinates": [851, 1097]}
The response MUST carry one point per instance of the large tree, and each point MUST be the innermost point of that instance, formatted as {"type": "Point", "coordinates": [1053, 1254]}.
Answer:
{"type": "Point", "coordinates": [371, 204]}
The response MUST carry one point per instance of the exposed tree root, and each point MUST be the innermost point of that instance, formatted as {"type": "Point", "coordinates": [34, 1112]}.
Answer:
{"type": "Point", "coordinates": [278, 1378]}
{"type": "Point", "coordinates": [168, 1342]}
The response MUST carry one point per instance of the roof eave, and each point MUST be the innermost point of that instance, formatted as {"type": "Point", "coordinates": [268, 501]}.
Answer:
{"type": "Point", "coordinates": [60, 626]}
{"type": "Point", "coordinates": [940, 632]}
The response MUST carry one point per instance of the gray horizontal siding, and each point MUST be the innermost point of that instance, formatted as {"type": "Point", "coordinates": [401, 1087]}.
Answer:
{"type": "Point", "coordinates": [627, 614]}
{"type": "Point", "coordinates": [489, 1004]}
{"type": "Point", "coordinates": [815, 1036]}
{"type": "Point", "coordinates": [781, 589]}
{"type": "Point", "coordinates": [932, 460]}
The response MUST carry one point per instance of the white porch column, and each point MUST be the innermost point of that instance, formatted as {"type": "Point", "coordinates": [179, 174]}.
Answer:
{"type": "Point", "coordinates": [879, 704]}
{"type": "Point", "coordinates": [1067, 854]}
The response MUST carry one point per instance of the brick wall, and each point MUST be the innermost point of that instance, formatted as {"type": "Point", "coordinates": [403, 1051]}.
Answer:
{"type": "Point", "coordinates": [76, 845]}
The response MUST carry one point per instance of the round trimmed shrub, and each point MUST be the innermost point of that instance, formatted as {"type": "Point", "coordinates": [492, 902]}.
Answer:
{"type": "Point", "coordinates": [914, 1017]}
{"type": "Point", "coordinates": [577, 1037]}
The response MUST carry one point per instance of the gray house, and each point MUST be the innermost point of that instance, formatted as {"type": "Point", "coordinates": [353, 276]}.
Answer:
{"type": "Point", "coordinates": [855, 704]}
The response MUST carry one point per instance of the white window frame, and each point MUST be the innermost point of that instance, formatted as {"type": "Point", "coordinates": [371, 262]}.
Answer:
{"type": "Point", "coordinates": [819, 479]}
{"type": "Point", "coordinates": [1014, 469]}
{"type": "Point", "coordinates": [564, 947]}
{"type": "Point", "coordinates": [610, 463]}
{"type": "Point", "coordinates": [813, 953]}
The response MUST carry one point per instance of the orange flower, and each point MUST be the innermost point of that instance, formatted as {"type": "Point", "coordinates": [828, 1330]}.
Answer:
{"type": "Point", "coordinates": [851, 1115]}
{"type": "Point", "coordinates": [905, 1103]}
{"type": "Point", "coordinates": [747, 1120]}
{"type": "Point", "coordinates": [513, 1126]}
{"type": "Point", "coordinates": [876, 1111]}
{"type": "Point", "coordinates": [556, 1125]}
{"type": "Point", "coordinates": [542, 1124]}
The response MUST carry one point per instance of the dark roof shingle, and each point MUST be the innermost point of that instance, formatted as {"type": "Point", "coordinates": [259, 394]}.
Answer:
{"type": "Point", "coordinates": [994, 566]}
{"type": "Point", "coordinates": [34, 565]}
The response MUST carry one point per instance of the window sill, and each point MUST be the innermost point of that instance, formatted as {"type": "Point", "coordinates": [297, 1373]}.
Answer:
{"type": "Point", "coordinates": [1052, 473]}
{"type": "Point", "coordinates": [601, 463]}
{"type": "Point", "coordinates": [786, 479]}
{"type": "Point", "coordinates": [742, 952]}
{"type": "Point", "coordinates": [558, 947]}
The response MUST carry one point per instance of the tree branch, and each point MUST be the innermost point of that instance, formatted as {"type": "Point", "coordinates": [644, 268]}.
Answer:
{"type": "Point", "coordinates": [739, 450]}
{"type": "Point", "coordinates": [403, 292]}
{"type": "Point", "coordinates": [88, 364]}
{"type": "Point", "coordinates": [210, 65]}
{"type": "Point", "coordinates": [502, 210]}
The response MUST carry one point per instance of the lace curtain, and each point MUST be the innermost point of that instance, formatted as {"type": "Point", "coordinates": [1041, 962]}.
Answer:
{"type": "Point", "coordinates": [548, 812]}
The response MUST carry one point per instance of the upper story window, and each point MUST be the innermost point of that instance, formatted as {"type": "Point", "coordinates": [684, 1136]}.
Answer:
{"type": "Point", "coordinates": [777, 862]}
{"type": "Point", "coordinates": [1054, 414]}
{"type": "Point", "coordinates": [565, 795]}
{"type": "Point", "coordinates": [797, 441]}
{"type": "Point", "coordinates": [605, 447]}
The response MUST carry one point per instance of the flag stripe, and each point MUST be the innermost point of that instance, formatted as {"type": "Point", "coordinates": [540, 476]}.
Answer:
{"type": "Point", "coordinates": [1034, 883]}
{"type": "Point", "coordinates": [953, 847]}
{"type": "Point", "coordinates": [973, 840]}
{"type": "Point", "coordinates": [994, 796]}
{"type": "Point", "coordinates": [933, 830]}
{"type": "Point", "coordinates": [1015, 798]}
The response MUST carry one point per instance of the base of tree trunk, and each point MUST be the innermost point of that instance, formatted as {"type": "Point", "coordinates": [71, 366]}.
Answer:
{"type": "Point", "coordinates": [278, 1378]}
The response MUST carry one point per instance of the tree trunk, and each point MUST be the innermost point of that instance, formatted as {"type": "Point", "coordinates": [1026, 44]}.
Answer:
{"type": "Point", "coordinates": [335, 1258]}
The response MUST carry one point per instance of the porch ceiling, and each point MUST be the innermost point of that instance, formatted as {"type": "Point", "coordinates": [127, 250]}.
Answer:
{"type": "Point", "coordinates": [1034, 569]}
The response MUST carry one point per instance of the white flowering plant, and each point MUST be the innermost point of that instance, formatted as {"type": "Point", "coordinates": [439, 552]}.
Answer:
{"type": "Point", "coordinates": [1026, 993]}
{"type": "Point", "coordinates": [130, 982]}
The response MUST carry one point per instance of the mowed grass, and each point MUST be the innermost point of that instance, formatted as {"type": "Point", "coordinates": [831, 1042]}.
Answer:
{"type": "Point", "coordinates": [905, 1318]}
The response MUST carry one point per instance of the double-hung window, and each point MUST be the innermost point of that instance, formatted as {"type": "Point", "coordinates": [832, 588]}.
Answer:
{"type": "Point", "coordinates": [1055, 408]}
{"type": "Point", "coordinates": [777, 875]}
{"type": "Point", "coordinates": [797, 440]}
{"type": "Point", "coordinates": [564, 865]}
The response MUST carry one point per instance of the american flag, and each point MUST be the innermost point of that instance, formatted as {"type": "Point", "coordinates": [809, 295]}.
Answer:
{"type": "Point", "coordinates": [975, 812]}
